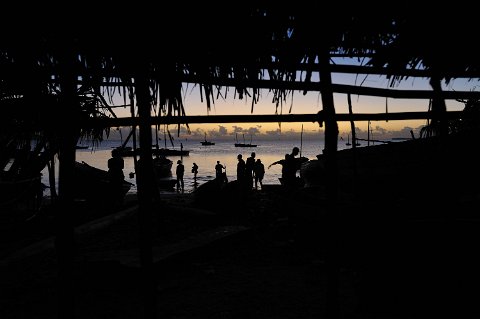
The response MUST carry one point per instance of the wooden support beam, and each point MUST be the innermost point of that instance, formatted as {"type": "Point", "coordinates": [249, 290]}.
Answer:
{"type": "Point", "coordinates": [263, 118]}
{"type": "Point", "coordinates": [336, 88]}
{"type": "Point", "coordinates": [317, 87]}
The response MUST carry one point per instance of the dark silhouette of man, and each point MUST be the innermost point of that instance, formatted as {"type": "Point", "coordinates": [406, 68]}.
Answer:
{"type": "Point", "coordinates": [249, 164]}
{"type": "Point", "coordinates": [180, 171]}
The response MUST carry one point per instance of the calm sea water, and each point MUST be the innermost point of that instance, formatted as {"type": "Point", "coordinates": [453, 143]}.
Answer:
{"type": "Point", "coordinates": [206, 158]}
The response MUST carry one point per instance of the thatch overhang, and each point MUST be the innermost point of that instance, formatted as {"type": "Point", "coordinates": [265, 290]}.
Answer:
{"type": "Point", "coordinates": [249, 48]}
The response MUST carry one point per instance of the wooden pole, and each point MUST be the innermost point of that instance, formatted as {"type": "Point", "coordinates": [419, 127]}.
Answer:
{"type": "Point", "coordinates": [301, 141]}
{"type": "Point", "coordinates": [145, 184]}
{"type": "Point", "coordinates": [64, 239]}
{"type": "Point", "coordinates": [354, 140]}
{"type": "Point", "coordinates": [439, 108]}
{"type": "Point", "coordinates": [331, 169]}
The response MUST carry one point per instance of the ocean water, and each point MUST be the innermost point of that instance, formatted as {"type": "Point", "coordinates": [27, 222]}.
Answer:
{"type": "Point", "coordinates": [206, 158]}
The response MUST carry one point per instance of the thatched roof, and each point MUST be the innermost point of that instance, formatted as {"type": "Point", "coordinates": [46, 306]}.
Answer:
{"type": "Point", "coordinates": [247, 47]}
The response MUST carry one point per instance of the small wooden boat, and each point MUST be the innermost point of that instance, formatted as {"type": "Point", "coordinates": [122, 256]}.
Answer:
{"type": "Point", "coordinates": [170, 152]}
{"type": "Point", "coordinates": [207, 143]}
{"type": "Point", "coordinates": [162, 166]}
{"type": "Point", "coordinates": [18, 189]}
{"type": "Point", "coordinates": [92, 183]}
{"type": "Point", "coordinates": [244, 144]}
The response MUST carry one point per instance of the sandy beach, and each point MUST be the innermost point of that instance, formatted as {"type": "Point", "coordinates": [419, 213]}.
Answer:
{"type": "Point", "coordinates": [260, 259]}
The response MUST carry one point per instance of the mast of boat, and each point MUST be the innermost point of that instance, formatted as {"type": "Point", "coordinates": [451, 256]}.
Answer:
{"type": "Point", "coordinates": [165, 136]}
{"type": "Point", "coordinates": [301, 141]}
{"type": "Point", "coordinates": [348, 140]}
{"type": "Point", "coordinates": [368, 133]}
{"type": "Point", "coordinates": [156, 136]}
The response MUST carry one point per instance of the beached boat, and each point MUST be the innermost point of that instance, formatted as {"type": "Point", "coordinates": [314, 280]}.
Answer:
{"type": "Point", "coordinates": [404, 169]}
{"type": "Point", "coordinates": [92, 183]}
{"type": "Point", "coordinates": [237, 144]}
{"type": "Point", "coordinates": [17, 189]}
{"type": "Point", "coordinates": [162, 166]}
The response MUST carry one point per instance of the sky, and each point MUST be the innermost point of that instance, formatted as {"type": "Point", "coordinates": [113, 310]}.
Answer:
{"type": "Point", "coordinates": [311, 104]}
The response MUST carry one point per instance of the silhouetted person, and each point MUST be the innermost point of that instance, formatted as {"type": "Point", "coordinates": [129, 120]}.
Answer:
{"type": "Point", "coordinates": [240, 169]}
{"type": "Point", "coordinates": [116, 176]}
{"type": "Point", "coordinates": [293, 164]}
{"type": "Point", "coordinates": [249, 164]}
{"type": "Point", "coordinates": [290, 165]}
{"type": "Point", "coordinates": [259, 171]}
{"type": "Point", "coordinates": [290, 172]}
{"type": "Point", "coordinates": [180, 171]}
{"type": "Point", "coordinates": [281, 162]}
{"type": "Point", "coordinates": [219, 171]}
{"type": "Point", "coordinates": [195, 172]}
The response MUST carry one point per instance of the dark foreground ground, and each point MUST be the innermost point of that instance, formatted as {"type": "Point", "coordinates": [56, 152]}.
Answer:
{"type": "Point", "coordinates": [261, 256]}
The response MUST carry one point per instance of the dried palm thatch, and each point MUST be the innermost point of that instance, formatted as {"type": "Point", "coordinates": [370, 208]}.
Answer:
{"type": "Point", "coordinates": [254, 47]}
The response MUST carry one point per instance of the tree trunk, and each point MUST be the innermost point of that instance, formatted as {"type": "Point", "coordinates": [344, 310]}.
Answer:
{"type": "Point", "coordinates": [331, 140]}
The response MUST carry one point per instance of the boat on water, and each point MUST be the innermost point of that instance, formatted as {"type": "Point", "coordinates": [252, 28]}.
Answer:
{"type": "Point", "coordinates": [348, 140]}
{"type": "Point", "coordinates": [128, 151]}
{"type": "Point", "coordinates": [207, 143]}
{"type": "Point", "coordinates": [350, 144]}
{"type": "Point", "coordinates": [170, 152]}
{"type": "Point", "coordinates": [237, 144]}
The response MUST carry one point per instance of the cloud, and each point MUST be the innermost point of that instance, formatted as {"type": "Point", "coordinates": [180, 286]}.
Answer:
{"type": "Point", "coordinates": [277, 132]}
{"type": "Point", "coordinates": [222, 130]}
{"type": "Point", "coordinates": [198, 132]}
{"type": "Point", "coordinates": [253, 130]}
{"type": "Point", "coordinates": [380, 130]}
{"type": "Point", "coordinates": [237, 129]}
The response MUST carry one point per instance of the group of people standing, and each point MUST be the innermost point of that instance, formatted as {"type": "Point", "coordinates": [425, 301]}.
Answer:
{"type": "Point", "coordinates": [250, 171]}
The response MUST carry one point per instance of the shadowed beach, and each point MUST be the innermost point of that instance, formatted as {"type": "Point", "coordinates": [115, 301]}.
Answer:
{"type": "Point", "coordinates": [266, 255]}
